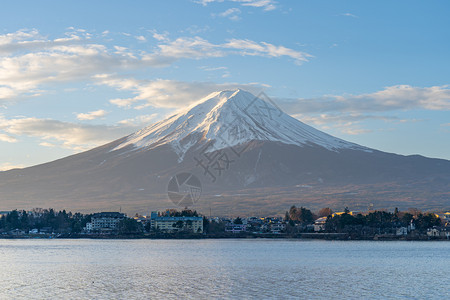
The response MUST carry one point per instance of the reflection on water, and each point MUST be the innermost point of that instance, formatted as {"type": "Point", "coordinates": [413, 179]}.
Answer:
{"type": "Point", "coordinates": [80, 269]}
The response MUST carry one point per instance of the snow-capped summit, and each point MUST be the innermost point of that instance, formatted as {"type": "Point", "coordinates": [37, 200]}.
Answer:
{"type": "Point", "coordinates": [230, 118]}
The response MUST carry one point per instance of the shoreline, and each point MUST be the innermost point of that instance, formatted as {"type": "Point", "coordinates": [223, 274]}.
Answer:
{"type": "Point", "coordinates": [300, 236]}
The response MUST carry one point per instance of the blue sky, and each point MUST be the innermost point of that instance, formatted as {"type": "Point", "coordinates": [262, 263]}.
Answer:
{"type": "Point", "coordinates": [77, 75]}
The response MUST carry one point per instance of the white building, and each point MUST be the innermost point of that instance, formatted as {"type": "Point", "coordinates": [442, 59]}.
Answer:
{"type": "Point", "coordinates": [433, 232]}
{"type": "Point", "coordinates": [105, 221]}
{"type": "Point", "coordinates": [402, 231]}
{"type": "Point", "coordinates": [235, 228]}
{"type": "Point", "coordinates": [319, 224]}
{"type": "Point", "coordinates": [277, 227]}
{"type": "Point", "coordinates": [171, 224]}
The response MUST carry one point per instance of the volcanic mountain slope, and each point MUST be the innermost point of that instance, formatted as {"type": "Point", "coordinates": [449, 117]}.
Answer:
{"type": "Point", "coordinates": [250, 158]}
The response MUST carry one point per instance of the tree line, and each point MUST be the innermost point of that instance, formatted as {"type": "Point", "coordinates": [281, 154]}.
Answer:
{"type": "Point", "coordinates": [369, 223]}
{"type": "Point", "coordinates": [44, 219]}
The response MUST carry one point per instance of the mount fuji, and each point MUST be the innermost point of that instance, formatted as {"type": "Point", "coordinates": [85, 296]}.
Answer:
{"type": "Point", "coordinates": [228, 119]}
{"type": "Point", "coordinates": [250, 158]}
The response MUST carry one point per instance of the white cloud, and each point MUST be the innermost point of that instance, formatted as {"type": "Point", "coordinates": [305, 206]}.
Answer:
{"type": "Point", "coordinates": [166, 93]}
{"type": "Point", "coordinates": [195, 29]}
{"type": "Point", "coordinates": [30, 62]}
{"type": "Point", "coordinates": [7, 138]}
{"type": "Point", "coordinates": [47, 144]}
{"type": "Point", "coordinates": [123, 102]}
{"type": "Point", "coordinates": [205, 68]}
{"type": "Point", "coordinates": [266, 5]}
{"type": "Point", "coordinates": [187, 47]}
{"type": "Point", "coordinates": [355, 131]}
{"type": "Point", "coordinates": [64, 134]}
{"type": "Point", "coordinates": [206, 2]}
{"type": "Point", "coordinates": [198, 48]}
{"type": "Point", "coordinates": [346, 112]}
{"type": "Point", "coordinates": [231, 13]}
{"type": "Point", "coordinates": [345, 123]}
{"type": "Point", "coordinates": [9, 166]}
{"type": "Point", "coordinates": [141, 38]}
{"type": "Point", "coordinates": [142, 120]}
{"type": "Point", "coordinates": [92, 115]}
{"type": "Point", "coordinates": [350, 15]}
{"type": "Point", "coordinates": [249, 47]}
{"type": "Point", "coordinates": [160, 36]}
{"type": "Point", "coordinates": [393, 98]}
{"type": "Point", "coordinates": [343, 120]}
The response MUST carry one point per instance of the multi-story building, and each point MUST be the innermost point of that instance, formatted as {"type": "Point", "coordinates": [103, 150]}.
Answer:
{"type": "Point", "coordinates": [319, 224]}
{"type": "Point", "coordinates": [277, 227]}
{"type": "Point", "coordinates": [171, 224]}
{"type": "Point", "coordinates": [105, 221]}
{"type": "Point", "coordinates": [235, 228]}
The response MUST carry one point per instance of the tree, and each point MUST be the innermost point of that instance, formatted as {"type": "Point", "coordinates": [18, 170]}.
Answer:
{"type": "Point", "coordinates": [425, 221]}
{"type": "Point", "coordinates": [189, 224]}
{"type": "Point", "coordinates": [24, 221]}
{"type": "Point", "coordinates": [213, 227]}
{"type": "Point", "coordinates": [12, 219]}
{"type": "Point", "coordinates": [325, 212]}
{"type": "Point", "coordinates": [293, 213]}
{"type": "Point", "coordinates": [128, 226]}
{"type": "Point", "coordinates": [178, 224]}
{"type": "Point", "coordinates": [148, 226]}
{"type": "Point", "coordinates": [237, 221]}
{"type": "Point", "coordinates": [396, 211]}
{"type": "Point", "coordinates": [301, 215]}
{"type": "Point", "coordinates": [406, 219]}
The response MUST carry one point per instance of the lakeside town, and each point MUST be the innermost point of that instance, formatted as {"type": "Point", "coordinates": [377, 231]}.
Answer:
{"type": "Point", "coordinates": [298, 222]}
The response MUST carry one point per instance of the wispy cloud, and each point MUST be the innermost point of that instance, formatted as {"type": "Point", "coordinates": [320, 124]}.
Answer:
{"type": "Point", "coordinates": [349, 15]}
{"type": "Point", "coordinates": [249, 47]}
{"type": "Point", "coordinates": [205, 68]}
{"type": "Point", "coordinates": [266, 5]}
{"type": "Point", "coordinates": [160, 36]}
{"type": "Point", "coordinates": [231, 13]}
{"type": "Point", "coordinates": [166, 93]}
{"type": "Point", "coordinates": [30, 62]}
{"type": "Point", "coordinates": [347, 112]}
{"type": "Point", "coordinates": [398, 97]}
{"type": "Point", "coordinates": [7, 138]}
{"type": "Point", "coordinates": [8, 166]}
{"type": "Point", "coordinates": [198, 48]}
{"type": "Point", "coordinates": [139, 120]}
{"type": "Point", "coordinates": [141, 38]}
{"type": "Point", "coordinates": [346, 123]}
{"type": "Point", "coordinates": [64, 134]}
{"type": "Point", "coordinates": [92, 115]}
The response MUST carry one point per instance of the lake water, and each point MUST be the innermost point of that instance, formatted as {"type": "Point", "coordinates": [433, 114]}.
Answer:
{"type": "Point", "coordinates": [104, 269]}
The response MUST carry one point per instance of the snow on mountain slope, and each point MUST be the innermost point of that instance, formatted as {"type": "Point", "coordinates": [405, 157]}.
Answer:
{"type": "Point", "coordinates": [231, 118]}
